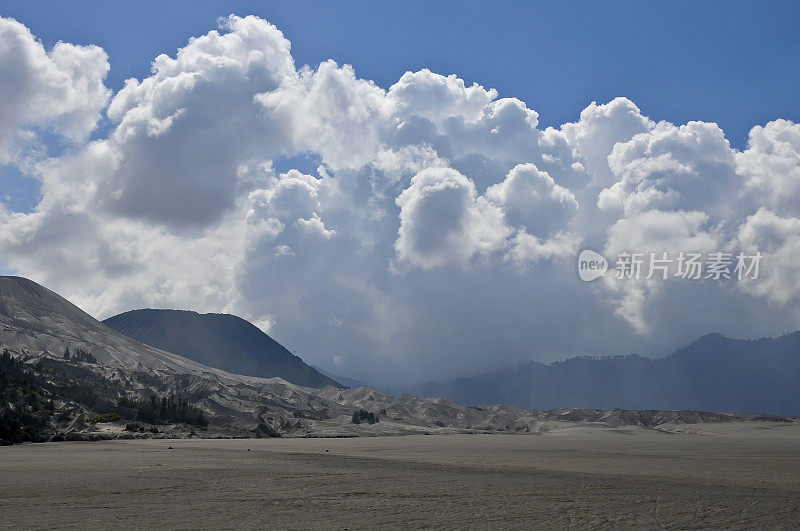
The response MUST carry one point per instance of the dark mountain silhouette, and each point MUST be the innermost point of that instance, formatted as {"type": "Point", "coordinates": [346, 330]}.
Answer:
{"type": "Point", "coordinates": [714, 373]}
{"type": "Point", "coordinates": [222, 341]}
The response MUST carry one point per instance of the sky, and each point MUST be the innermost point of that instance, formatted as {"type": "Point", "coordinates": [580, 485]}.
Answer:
{"type": "Point", "coordinates": [733, 63]}
{"type": "Point", "coordinates": [399, 192]}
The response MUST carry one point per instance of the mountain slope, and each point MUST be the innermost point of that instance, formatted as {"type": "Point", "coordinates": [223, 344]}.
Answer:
{"type": "Point", "coordinates": [218, 340]}
{"type": "Point", "coordinates": [714, 373]}
{"type": "Point", "coordinates": [35, 319]}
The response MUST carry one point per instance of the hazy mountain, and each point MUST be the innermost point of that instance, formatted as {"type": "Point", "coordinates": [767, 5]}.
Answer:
{"type": "Point", "coordinates": [714, 373]}
{"type": "Point", "coordinates": [353, 383]}
{"type": "Point", "coordinates": [223, 341]}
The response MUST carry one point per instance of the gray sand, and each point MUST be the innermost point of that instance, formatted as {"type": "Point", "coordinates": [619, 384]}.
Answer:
{"type": "Point", "coordinates": [740, 475]}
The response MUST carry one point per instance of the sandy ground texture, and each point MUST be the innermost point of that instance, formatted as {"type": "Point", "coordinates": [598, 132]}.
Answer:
{"type": "Point", "coordinates": [731, 475]}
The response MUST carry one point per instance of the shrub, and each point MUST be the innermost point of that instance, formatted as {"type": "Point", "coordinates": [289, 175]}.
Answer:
{"type": "Point", "coordinates": [362, 415]}
{"type": "Point", "coordinates": [136, 428]}
{"type": "Point", "coordinates": [105, 417]}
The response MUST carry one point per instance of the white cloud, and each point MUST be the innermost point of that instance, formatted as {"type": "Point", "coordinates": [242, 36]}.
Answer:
{"type": "Point", "coordinates": [436, 237]}
{"type": "Point", "coordinates": [778, 239]}
{"type": "Point", "coordinates": [532, 199]}
{"type": "Point", "coordinates": [315, 225]}
{"type": "Point", "coordinates": [673, 168]}
{"type": "Point", "coordinates": [443, 221]}
{"type": "Point", "coordinates": [60, 90]}
{"type": "Point", "coordinates": [528, 249]}
{"type": "Point", "coordinates": [438, 98]}
{"type": "Point", "coordinates": [184, 131]}
{"type": "Point", "coordinates": [771, 167]}
{"type": "Point", "coordinates": [601, 127]}
{"type": "Point", "coordinates": [659, 232]}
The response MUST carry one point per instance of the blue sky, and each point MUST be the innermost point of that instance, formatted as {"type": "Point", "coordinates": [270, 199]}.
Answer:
{"type": "Point", "coordinates": [733, 63]}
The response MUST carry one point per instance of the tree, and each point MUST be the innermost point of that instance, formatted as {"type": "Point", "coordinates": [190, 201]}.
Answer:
{"type": "Point", "coordinates": [362, 415]}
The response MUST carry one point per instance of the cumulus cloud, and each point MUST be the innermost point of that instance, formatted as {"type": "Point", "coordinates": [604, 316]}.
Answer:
{"type": "Point", "coordinates": [658, 232]}
{"type": "Point", "coordinates": [437, 235]}
{"type": "Point", "coordinates": [443, 221]}
{"type": "Point", "coordinates": [528, 249]}
{"type": "Point", "coordinates": [599, 129]}
{"type": "Point", "coordinates": [532, 199]}
{"type": "Point", "coordinates": [771, 167]}
{"type": "Point", "coordinates": [691, 166]}
{"type": "Point", "coordinates": [183, 133]}
{"type": "Point", "coordinates": [60, 90]}
{"type": "Point", "coordinates": [778, 239]}
{"type": "Point", "coordinates": [438, 98]}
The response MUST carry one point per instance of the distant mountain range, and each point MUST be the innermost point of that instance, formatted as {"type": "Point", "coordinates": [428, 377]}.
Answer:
{"type": "Point", "coordinates": [714, 373]}
{"type": "Point", "coordinates": [223, 341]}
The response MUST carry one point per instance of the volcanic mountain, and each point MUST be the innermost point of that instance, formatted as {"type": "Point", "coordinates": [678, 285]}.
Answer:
{"type": "Point", "coordinates": [223, 341]}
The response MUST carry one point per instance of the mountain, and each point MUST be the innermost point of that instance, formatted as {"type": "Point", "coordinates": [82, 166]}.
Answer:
{"type": "Point", "coordinates": [65, 375]}
{"type": "Point", "coordinates": [223, 341]}
{"type": "Point", "coordinates": [34, 319]}
{"type": "Point", "coordinates": [714, 373]}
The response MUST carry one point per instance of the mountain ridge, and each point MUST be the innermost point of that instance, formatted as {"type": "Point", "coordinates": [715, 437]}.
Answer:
{"type": "Point", "coordinates": [713, 373]}
{"type": "Point", "coordinates": [220, 340]}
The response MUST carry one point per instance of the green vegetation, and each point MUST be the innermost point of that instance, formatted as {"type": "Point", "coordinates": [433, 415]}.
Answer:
{"type": "Point", "coordinates": [164, 410]}
{"type": "Point", "coordinates": [363, 415]}
{"type": "Point", "coordinates": [105, 417]}
{"type": "Point", "coordinates": [25, 407]}
{"type": "Point", "coordinates": [79, 355]}
{"type": "Point", "coordinates": [79, 384]}
{"type": "Point", "coordinates": [27, 395]}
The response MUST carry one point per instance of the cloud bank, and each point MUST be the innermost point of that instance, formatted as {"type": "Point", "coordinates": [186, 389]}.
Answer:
{"type": "Point", "coordinates": [435, 233]}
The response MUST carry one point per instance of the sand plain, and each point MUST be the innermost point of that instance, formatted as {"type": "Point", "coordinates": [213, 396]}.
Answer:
{"type": "Point", "coordinates": [727, 475]}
